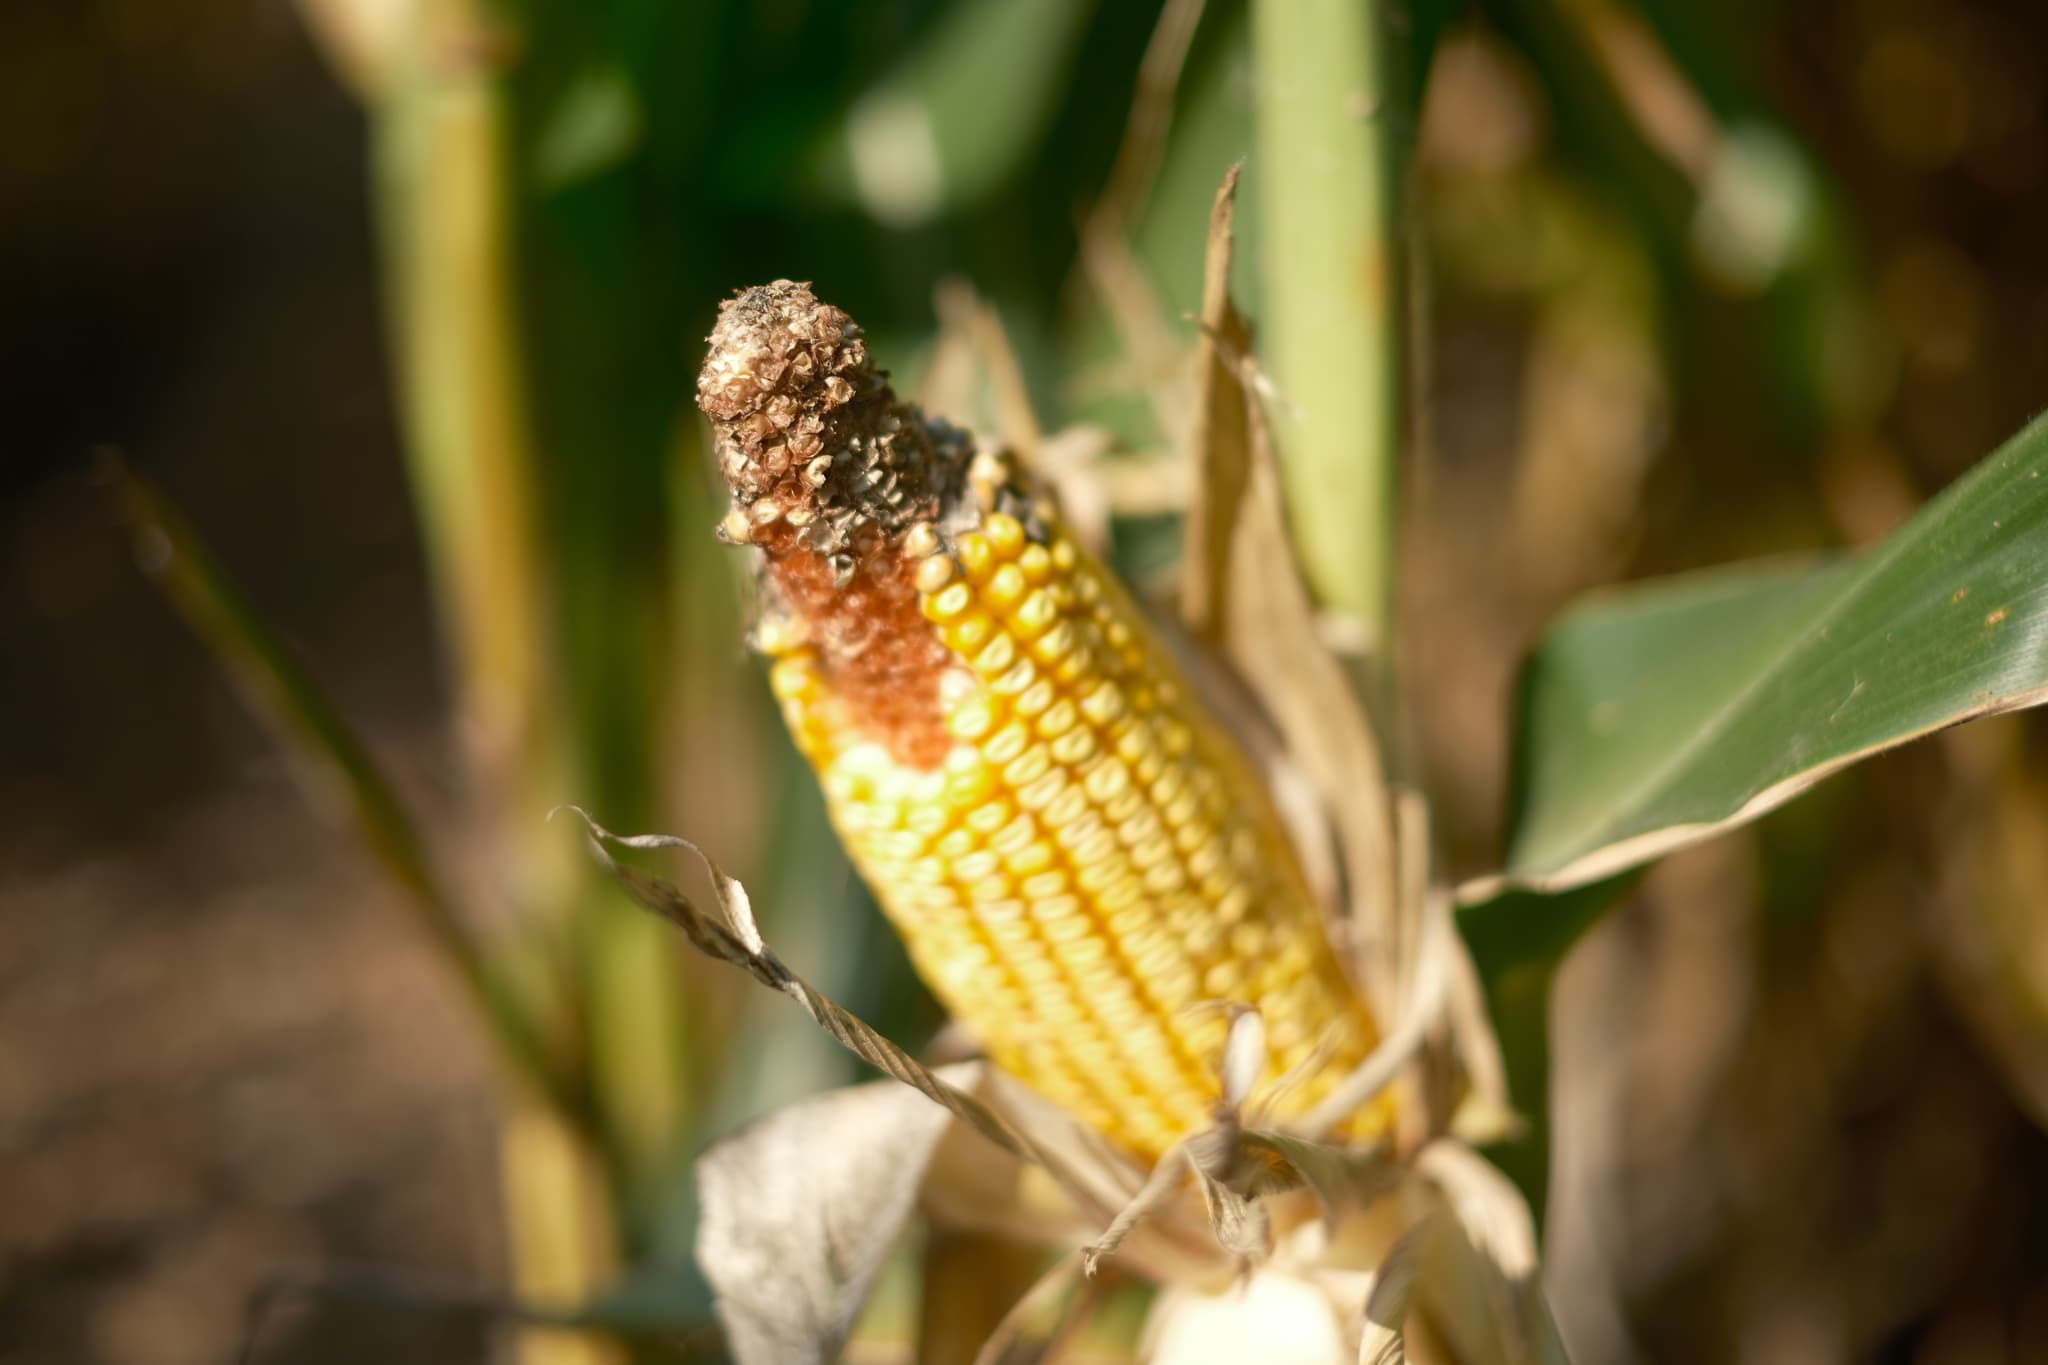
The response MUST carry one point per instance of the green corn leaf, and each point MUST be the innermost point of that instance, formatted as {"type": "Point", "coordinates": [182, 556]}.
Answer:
{"type": "Point", "coordinates": [1660, 715]}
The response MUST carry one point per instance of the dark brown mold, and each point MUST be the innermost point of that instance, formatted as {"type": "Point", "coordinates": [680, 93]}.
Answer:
{"type": "Point", "coordinates": [829, 473]}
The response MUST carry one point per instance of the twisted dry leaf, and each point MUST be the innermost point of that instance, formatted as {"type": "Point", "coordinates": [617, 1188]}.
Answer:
{"type": "Point", "coordinates": [736, 939]}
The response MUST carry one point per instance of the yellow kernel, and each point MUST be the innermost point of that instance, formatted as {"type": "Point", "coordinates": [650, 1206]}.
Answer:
{"type": "Point", "coordinates": [1014, 837]}
{"type": "Point", "coordinates": [929, 872]}
{"type": "Point", "coordinates": [1067, 930]}
{"type": "Point", "coordinates": [1125, 804]}
{"type": "Point", "coordinates": [1073, 748]}
{"type": "Point", "coordinates": [1174, 987]}
{"type": "Point", "coordinates": [1005, 534]}
{"type": "Point", "coordinates": [1175, 738]}
{"type": "Point", "coordinates": [948, 603]}
{"type": "Point", "coordinates": [969, 633]}
{"type": "Point", "coordinates": [1054, 905]}
{"type": "Point", "coordinates": [1221, 980]}
{"type": "Point", "coordinates": [1096, 875]}
{"type": "Point", "coordinates": [929, 819]}
{"type": "Point", "coordinates": [1056, 643]}
{"type": "Point", "coordinates": [1061, 717]}
{"type": "Point", "coordinates": [1034, 698]}
{"type": "Point", "coordinates": [1120, 894]}
{"type": "Point", "coordinates": [1106, 780]}
{"type": "Point", "coordinates": [1038, 887]}
{"type": "Point", "coordinates": [972, 866]}
{"type": "Point", "coordinates": [902, 845]}
{"type": "Point", "coordinates": [1235, 904]}
{"type": "Point", "coordinates": [1150, 853]}
{"type": "Point", "coordinates": [1012, 933]}
{"type": "Point", "coordinates": [1140, 826]}
{"type": "Point", "coordinates": [1043, 975]}
{"type": "Point", "coordinates": [997, 657]}
{"type": "Point", "coordinates": [1064, 555]}
{"type": "Point", "coordinates": [976, 555]}
{"type": "Point", "coordinates": [1008, 743]}
{"type": "Point", "coordinates": [1005, 587]}
{"type": "Point", "coordinates": [933, 574]}
{"type": "Point", "coordinates": [986, 820]}
{"type": "Point", "coordinates": [1036, 562]}
{"type": "Point", "coordinates": [1034, 763]}
{"type": "Point", "coordinates": [1087, 589]}
{"type": "Point", "coordinates": [1090, 949]}
{"type": "Point", "coordinates": [994, 887]}
{"type": "Point", "coordinates": [1039, 792]}
{"type": "Point", "coordinates": [971, 720]}
{"type": "Point", "coordinates": [1165, 878]}
{"type": "Point", "coordinates": [1068, 806]}
{"type": "Point", "coordinates": [1006, 917]}
{"type": "Point", "coordinates": [1036, 613]}
{"type": "Point", "coordinates": [954, 843]}
{"type": "Point", "coordinates": [1103, 704]}
{"type": "Point", "coordinates": [1085, 827]}
{"type": "Point", "coordinates": [1248, 940]}
{"type": "Point", "coordinates": [1136, 926]}
{"type": "Point", "coordinates": [1034, 857]}
{"type": "Point", "coordinates": [1021, 675]}
{"type": "Point", "coordinates": [967, 787]}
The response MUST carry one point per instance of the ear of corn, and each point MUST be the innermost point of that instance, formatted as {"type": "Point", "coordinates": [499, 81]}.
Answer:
{"type": "Point", "coordinates": [1078, 858]}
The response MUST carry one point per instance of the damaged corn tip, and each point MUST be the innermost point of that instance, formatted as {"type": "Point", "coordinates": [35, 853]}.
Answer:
{"type": "Point", "coordinates": [1074, 851]}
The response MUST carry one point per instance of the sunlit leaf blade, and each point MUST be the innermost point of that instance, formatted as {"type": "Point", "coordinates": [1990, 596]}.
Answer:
{"type": "Point", "coordinates": [1661, 715]}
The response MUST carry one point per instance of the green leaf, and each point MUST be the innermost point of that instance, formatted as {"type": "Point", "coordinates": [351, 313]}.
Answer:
{"type": "Point", "coordinates": [1660, 715]}
{"type": "Point", "coordinates": [926, 138]}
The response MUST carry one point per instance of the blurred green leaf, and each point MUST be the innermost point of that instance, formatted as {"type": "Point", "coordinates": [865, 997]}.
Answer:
{"type": "Point", "coordinates": [1660, 715]}
{"type": "Point", "coordinates": [594, 125]}
{"type": "Point", "coordinates": [957, 114]}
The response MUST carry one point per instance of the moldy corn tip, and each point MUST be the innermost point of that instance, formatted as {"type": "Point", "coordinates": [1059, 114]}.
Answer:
{"type": "Point", "coordinates": [1073, 849]}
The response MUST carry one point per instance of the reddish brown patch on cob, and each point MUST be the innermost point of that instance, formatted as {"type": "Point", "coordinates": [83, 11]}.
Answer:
{"type": "Point", "coordinates": [829, 473]}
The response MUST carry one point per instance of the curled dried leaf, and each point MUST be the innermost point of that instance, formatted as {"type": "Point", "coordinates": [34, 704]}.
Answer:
{"type": "Point", "coordinates": [801, 1209]}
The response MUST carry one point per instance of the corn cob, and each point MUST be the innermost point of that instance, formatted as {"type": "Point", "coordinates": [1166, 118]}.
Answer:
{"type": "Point", "coordinates": [1073, 850]}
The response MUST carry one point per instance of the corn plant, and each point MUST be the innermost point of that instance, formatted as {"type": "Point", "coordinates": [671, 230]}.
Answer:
{"type": "Point", "coordinates": [1236, 1023]}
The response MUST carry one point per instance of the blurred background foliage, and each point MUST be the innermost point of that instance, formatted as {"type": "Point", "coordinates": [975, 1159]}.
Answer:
{"type": "Point", "coordinates": [1698, 281]}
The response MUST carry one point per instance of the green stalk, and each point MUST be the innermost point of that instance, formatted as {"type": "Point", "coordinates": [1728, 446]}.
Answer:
{"type": "Point", "coordinates": [1331, 128]}
{"type": "Point", "coordinates": [445, 169]}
